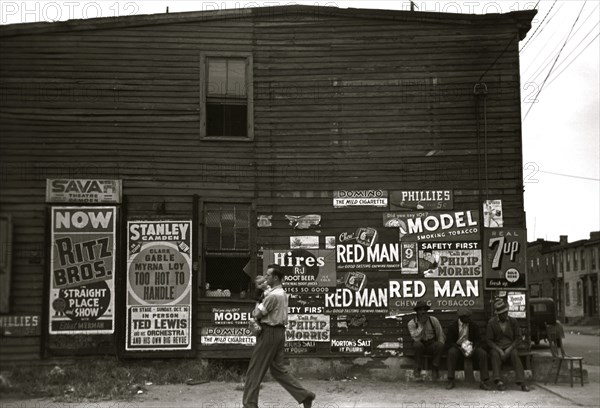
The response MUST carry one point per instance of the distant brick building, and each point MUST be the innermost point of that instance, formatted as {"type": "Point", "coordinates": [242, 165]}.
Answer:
{"type": "Point", "coordinates": [567, 272]}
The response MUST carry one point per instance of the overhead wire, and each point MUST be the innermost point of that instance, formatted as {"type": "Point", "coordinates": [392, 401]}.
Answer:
{"type": "Point", "coordinates": [568, 175]}
{"type": "Point", "coordinates": [557, 57]}
{"type": "Point", "coordinates": [573, 60]}
{"type": "Point", "coordinates": [538, 27]}
{"type": "Point", "coordinates": [542, 67]}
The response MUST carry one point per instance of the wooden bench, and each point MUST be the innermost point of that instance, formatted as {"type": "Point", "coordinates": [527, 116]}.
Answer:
{"type": "Point", "coordinates": [524, 355]}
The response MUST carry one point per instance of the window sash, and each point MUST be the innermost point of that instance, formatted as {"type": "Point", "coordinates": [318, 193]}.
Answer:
{"type": "Point", "coordinates": [233, 87]}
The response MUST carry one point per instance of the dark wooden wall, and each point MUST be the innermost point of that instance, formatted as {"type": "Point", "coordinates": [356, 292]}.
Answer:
{"type": "Point", "coordinates": [342, 101]}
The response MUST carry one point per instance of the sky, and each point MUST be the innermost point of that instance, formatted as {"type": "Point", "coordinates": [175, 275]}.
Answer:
{"type": "Point", "coordinates": [560, 90]}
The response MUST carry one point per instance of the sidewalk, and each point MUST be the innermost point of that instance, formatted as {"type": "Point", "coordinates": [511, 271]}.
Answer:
{"type": "Point", "coordinates": [348, 394]}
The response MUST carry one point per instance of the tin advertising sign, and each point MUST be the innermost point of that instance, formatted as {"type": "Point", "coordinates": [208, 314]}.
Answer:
{"type": "Point", "coordinates": [505, 262]}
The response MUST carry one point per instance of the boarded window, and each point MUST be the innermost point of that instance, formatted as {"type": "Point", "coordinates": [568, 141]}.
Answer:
{"type": "Point", "coordinates": [227, 93]}
{"type": "Point", "coordinates": [227, 249]}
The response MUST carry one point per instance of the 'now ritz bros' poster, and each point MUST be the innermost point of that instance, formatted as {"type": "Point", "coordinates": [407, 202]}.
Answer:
{"type": "Point", "coordinates": [82, 289]}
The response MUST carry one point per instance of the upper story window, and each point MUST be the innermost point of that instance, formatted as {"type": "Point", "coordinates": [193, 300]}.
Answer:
{"type": "Point", "coordinates": [575, 260]}
{"type": "Point", "coordinates": [593, 256]}
{"type": "Point", "coordinates": [226, 110]}
{"type": "Point", "coordinates": [568, 267]}
{"type": "Point", "coordinates": [582, 259]}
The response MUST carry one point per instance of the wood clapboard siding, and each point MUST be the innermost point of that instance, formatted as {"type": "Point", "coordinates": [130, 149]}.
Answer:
{"type": "Point", "coordinates": [343, 99]}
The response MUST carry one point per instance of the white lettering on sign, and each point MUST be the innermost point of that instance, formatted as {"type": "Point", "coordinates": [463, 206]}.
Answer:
{"type": "Point", "coordinates": [81, 219]}
{"type": "Point", "coordinates": [287, 259]}
{"type": "Point", "coordinates": [378, 253]}
{"type": "Point", "coordinates": [168, 229]}
{"type": "Point", "coordinates": [407, 289]}
{"type": "Point", "coordinates": [455, 288]}
{"type": "Point", "coordinates": [370, 297]}
{"type": "Point", "coordinates": [445, 222]}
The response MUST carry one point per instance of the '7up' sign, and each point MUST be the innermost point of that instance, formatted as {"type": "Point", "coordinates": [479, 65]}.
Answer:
{"type": "Point", "coordinates": [505, 260]}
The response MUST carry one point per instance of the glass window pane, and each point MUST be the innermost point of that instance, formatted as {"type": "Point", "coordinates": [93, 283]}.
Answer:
{"type": "Point", "coordinates": [217, 76]}
{"type": "Point", "coordinates": [227, 224]}
{"type": "Point", "coordinates": [236, 77]}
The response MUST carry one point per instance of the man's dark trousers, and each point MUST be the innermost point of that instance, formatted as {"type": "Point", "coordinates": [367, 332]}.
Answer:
{"type": "Point", "coordinates": [433, 347]}
{"type": "Point", "coordinates": [516, 363]}
{"type": "Point", "coordinates": [268, 353]}
{"type": "Point", "coordinates": [454, 354]}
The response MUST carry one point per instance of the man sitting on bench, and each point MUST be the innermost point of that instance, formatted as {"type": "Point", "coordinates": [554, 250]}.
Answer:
{"type": "Point", "coordinates": [463, 342]}
{"type": "Point", "coordinates": [503, 337]}
{"type": "Point", "coordinates": [428, 337]}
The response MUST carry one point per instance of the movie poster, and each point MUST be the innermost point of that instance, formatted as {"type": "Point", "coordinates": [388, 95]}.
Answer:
{"type": "Point", "coordinates": [82, 261]}
{"type": "Point", "coordinates": [159, 285]}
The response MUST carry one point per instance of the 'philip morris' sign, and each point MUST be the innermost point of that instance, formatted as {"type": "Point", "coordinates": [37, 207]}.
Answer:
{"type": "Point", "coordinates": [83, 191]}
{"type": "Point", "coordinates": [440, 226]}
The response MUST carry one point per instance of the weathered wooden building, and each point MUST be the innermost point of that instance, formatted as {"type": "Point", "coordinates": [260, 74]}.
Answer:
{"type": "Point", "coordinates": [349, 138]}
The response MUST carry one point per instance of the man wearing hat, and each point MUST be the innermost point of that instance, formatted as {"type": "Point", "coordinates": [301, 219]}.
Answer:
{"type": "Point", "coordinates": [428, 337]}
{"type": "Point", "coordinates": [463, 341]}
{"type": "Point", "coordinates": [503, 338]}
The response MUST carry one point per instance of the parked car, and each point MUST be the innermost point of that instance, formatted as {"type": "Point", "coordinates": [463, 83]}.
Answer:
{"type": "Point", "coordinates": [542, 311]}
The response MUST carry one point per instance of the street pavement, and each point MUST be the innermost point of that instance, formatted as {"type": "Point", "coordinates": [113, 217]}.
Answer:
{"type": "Point", "coordinates": [363, 393]}
{"type": "Point", "coordinates": [350, 394]}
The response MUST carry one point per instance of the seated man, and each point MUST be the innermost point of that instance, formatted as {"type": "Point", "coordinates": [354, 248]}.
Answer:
{"type": "Point", "coordinates": [503, 337]}
{"type": "Point", "coordinates": [428, 337]}
{"type": "Point", "coordinates": [463, 342]}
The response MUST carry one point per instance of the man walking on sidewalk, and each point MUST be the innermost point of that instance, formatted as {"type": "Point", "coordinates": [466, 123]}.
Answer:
{"type": "Point", "coordinates": [503, 338]}
{"type": "Point", "coordinates": [464, 342]}
{"type": "Point", "coordinates": [268, 352]}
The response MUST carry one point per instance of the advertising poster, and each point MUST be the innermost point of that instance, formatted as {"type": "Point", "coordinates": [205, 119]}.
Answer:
{"type": "Point", "coordinates": [505, 262]}
{"type": "Point", "coordinates": [366, 249]}
{"type": "Point", "coordinates": [516, 305]}
{"type": "Point", "coordinates": [83, 191]}
{"type": "Point", "coordinates": [352, 346]}
{"type": "Point", "coordinates": [300, 347]}
{"type": "Point", "coordinates": [82, 262]}
{"type": "Point", "coordinates": [312, 327]}
{"type": "Point", "coordinates": [231, 316]}
{"type": "Point", "coordinates": [159, 282]}
{"type": "Point", "coordinates": [305, 270]}
{"type": "Point", "coordinates": [492, 214]}
{"type": "Point", "coordinates": [409, 258]}
{"type": "Point", "coordinates": [360, 198]}
{"type": "Point", "coordinates": [226, 335]}
{"type": "Point", "coordinates": [365, 301]}
{"type": "Point", "coordinates": [439, 293]}
{"type": "Point", "coordinates": [450, 259]}
{"type": "Point", "coordinates": [429, 226]}
{"type": "Point", "coordinates": [414, 200]}
{"type": "Point", "coordinates": [304, 242]}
